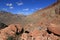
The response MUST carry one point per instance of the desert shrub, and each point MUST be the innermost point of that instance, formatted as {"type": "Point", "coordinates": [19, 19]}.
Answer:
{"type": "Point", "coordinates": [10, 38]}
{"type": "Point", "coordinates": [57, 10]}
{"type": "Point", "coordinates": [2, 25]}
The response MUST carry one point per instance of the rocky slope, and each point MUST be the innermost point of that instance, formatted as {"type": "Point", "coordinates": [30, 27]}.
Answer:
{"type": "Point", "coordinates": [44, 17]}
{"type": "Point", "coordinates": [42, 25]}
{"type": "Point", "coordinates": [49, 12]}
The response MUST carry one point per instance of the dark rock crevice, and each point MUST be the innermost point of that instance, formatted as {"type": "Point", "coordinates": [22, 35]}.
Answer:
{"type": "Point", "coordinates": [49, 32]}
{"type": "Point", "coordinates": [2, 25]}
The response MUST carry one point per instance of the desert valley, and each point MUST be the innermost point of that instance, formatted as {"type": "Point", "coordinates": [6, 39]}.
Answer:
{"type": "Point", "coordinates": [43, 24]}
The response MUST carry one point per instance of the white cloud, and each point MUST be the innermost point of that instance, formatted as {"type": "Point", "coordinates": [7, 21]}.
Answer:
{"type": "Point", "coordinates": [38, 8]}
{"type": "Point", "coordinates": [9, 4]}
{"type": "Point", "coordinates": [26, 9]}
{"type": "Point", "coordinates": [19, 3]}
{"type": "Point", "coordinates": [11, 7]}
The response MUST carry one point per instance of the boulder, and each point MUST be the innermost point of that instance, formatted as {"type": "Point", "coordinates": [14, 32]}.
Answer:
{"type": "Point", "coordinates": [54, 28]}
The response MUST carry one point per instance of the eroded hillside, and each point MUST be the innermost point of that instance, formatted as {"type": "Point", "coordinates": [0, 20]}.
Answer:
{"type": "Point", "coordinates": [9, 18]}
{"type": "Point", "coordinates": [43, 17]}
{"type": "Point", "coordinates": [50, 12]}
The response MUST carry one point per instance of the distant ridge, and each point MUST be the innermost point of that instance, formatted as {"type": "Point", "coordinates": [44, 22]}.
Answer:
{"type": "Point", "coordinates": [9, 18]}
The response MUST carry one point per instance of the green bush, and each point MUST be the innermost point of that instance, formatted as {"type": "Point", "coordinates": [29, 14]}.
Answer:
{"type": "Point", "coordinates": [10, 38]}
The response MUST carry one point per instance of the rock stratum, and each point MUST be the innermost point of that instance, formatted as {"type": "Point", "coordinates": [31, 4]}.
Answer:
{"type": "Point", "coordinates": [42, 25]}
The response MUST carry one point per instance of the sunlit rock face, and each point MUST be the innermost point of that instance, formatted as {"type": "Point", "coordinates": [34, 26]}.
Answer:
{"type": "Point", "coordinates": [55, 28]}
{"type": "Point", "coordinates": [25, 36]}
{"type": "Point", "coordinates": [38, 35]}
{"type": "Point", "coordinates": [17, 27]}
{"type": "Point", "coordinates": [52, 37]}
{"type": "Point", "coordinates": [10, 31]}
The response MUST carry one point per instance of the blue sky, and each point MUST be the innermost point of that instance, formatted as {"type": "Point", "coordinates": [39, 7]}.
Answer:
{"type": "Point", "coordinates": [24, 6]}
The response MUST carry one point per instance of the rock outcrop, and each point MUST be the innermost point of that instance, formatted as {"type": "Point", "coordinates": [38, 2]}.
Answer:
{"type": "Point", "coordinates": [10, 31]}
{"type": "Point", "coordinates": [55, 28]}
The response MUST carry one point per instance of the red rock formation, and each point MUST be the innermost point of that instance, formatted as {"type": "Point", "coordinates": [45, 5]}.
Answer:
{"type": "Point", "coordinates": [17, 26]}
{"type": "Point", "coordinates": [55, 28]}
{"type": "Point", "coordinates": [24, 36]}
{"type": "Point", "coordinates": [39, 34]}
{"type": "Point", "coordinates": [10, 31]}
{"type": "Point", "coordinates": [52, 37]}
{"type": "Point", "coordinates": [35, 33]}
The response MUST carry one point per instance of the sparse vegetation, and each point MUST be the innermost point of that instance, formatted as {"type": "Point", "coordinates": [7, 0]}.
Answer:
{"type": "Point", "coordinates": [2, 25]}
{"type": "Point", "coordinates": [10, 38]}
